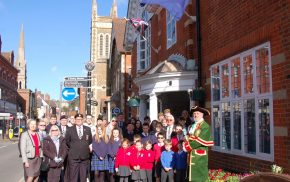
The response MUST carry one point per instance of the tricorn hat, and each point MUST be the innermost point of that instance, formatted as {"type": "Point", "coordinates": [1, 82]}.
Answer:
{"type": "Point", "coordinates": [200, 109]}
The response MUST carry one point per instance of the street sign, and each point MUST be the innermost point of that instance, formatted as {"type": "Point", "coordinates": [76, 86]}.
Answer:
{"type": "Point", "coordinates": [76, 83]}
{"type": "Point", "coordinates": [90, 66]}
{"type": "Point", "coordinates": [68, 94]}
{"type": "Point", "coordinates": [116, 110]}
{"type": "Point", "coordinates": [78, 78]}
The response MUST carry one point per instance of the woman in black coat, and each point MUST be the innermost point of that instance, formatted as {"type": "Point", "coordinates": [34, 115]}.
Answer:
{"type": "Point", "coordinates": [55, 151]}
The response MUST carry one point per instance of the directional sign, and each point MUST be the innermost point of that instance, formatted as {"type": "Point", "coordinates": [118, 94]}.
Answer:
{"type": "Point", "coordinates": [76, 83]}
{"type": "Point", "coordinates": [68, 94]}
{"type": "Point", "coordinates": [78, 78]}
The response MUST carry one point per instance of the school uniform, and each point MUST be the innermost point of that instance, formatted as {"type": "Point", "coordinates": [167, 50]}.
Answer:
{"type": "Point", "coordinates": [157, 154]}
{"type": "Point", "coordinates": [167, 161]}
{"type": "Point", "coordinates": [148, 165]}
{"type": "Point", "coordinates": [180, 166]}
{"type": "Point", "coordinates": [146, 137]}
{"type": "Point", "coordinates": [174, 140]}
{"type": "Point", "coordinates": [113, 147]}
{"type": "Point", "coordinates": [100, 150]}
{"type": "Point", "coordinates": [138, 159]}
{"type": "Point", "coordinates": [122, 162]}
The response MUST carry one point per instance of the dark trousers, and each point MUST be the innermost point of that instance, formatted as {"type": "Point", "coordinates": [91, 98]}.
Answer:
{"type": "Point", "coordinates": [148, 175]}
{"type": "Point", "coordinates": [42, 176]}
{"type": "Point", "coordinates": [167, 175]}
{"type": "Point", "coordinates": [53, 174]}
{"type": "Point", "coordinates": [180, 175]}
{"type": "Point", "coordinates": [78, 170]}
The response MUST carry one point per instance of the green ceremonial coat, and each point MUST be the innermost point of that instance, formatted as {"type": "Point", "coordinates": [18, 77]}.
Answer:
{"type": "Point", "coordinates": [198, 143]}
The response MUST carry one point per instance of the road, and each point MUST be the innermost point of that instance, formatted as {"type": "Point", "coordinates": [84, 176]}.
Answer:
{"type": "Point", "coordinates": [11, 165]}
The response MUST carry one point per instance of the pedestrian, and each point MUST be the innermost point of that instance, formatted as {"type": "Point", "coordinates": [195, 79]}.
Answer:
{"type": "Point", "coordinates": [31, 152]}
{"type": "Point", "coordinates": [55, 151]}
{"type": "Point", "coordinates": [168, 162]}
{"type": "Point", "coordinates": [78, 139]}
{"type": "Point", "coordinates": [122, 163]}
{"type": "Point", "coordinates": [197, 143]}
{"type": "Point", "coordinates": [149, 155]}
{"type": "Point", "coordinates": [114, 145]}
{"type": "Point", "coordinates": [137, 163]}
{"type": "Point", "coordinates": [181, 163]}
{"type": "Point", "coordinates": [99, 163]}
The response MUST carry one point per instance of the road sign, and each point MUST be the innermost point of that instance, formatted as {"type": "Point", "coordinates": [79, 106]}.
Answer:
{"type": "Point", "coordinates": [68, 94]}
{"type": "Point", "coordinates": [116, 110]}
{"type": "Point", "coordinates": [90, 66]}
{"type": "Point", "coordinates": [76, 83]}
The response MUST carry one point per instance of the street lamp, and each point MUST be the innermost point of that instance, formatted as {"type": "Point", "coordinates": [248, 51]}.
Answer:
{"type": "Point", "coordinates": [89, 67]}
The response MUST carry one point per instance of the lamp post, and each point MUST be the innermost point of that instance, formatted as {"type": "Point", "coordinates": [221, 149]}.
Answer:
{"type": "Point", "coordinates": [90, 66]}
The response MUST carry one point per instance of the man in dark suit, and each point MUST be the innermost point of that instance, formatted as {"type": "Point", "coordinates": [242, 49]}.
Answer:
{"type": "Point", "coordinates": [78, 139]}
{"type": "Point", "coordinates": [52, 121]}
{"type": "Point", "coordinates": [170, 129]}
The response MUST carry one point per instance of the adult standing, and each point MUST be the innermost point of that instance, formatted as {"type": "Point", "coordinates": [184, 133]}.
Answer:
{"type": "Point", "coordinates": [78, 139]}
{"type": "Point", "coordinates": [55, 151]}
{"type": "Point", "coordinates": [31, 152]}
{"type": "Point", "coordinates": [63, 125]}
{"type": "Point", "coordinates": [89, 123]}
{"type": "Point", "coordinates": [42, 134]}
{"type": "Point", "coordinates": [170, 129]}
{"type": "Point", "coordinates": [198, 141]}
{"type": "Point", "coordinates": [52, 121]}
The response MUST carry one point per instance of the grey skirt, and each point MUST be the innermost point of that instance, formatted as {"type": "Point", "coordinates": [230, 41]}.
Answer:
{"type": "Point", "coordinates": [138, 175]}
{"type": "Point", "coordinates": [34, 167]}
{"type": "Point", "coordinates": [124, 171]}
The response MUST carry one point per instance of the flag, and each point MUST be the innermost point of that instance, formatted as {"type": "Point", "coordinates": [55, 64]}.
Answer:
{"type": "Point", "coordinates": [139, 24]}
{"type": "Point", "coordinates": [176, 8]}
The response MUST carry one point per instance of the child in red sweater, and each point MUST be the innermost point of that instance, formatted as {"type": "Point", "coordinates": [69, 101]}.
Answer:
{"type": "Point", "coordinates": [149, 156]}
{"type": "Point", "coordinates": [158, 149]}
{"type": "Point", "coordinates": [122, 162]}
{"type": "Point", "coordinates": [137, 162]}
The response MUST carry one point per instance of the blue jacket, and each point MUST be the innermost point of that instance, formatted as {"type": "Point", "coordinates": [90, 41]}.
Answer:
{"type": "Point", "coordinates": [167, 159]}
{"type": "Point", "coordinates": [180, 160]}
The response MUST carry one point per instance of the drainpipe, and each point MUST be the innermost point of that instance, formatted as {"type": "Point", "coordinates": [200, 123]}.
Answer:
{"type": "Point", "coordinates": [198, 39]}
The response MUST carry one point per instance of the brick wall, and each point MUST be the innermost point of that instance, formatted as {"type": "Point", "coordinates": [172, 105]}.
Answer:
{"type": "Point", "coordinates": [231, 27]}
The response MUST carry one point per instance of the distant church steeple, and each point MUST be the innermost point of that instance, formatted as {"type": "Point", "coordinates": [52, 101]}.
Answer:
{"type": "Point", "coordinates": [114, 10]}
{"type": "Point", "coordinates": [21, 63]}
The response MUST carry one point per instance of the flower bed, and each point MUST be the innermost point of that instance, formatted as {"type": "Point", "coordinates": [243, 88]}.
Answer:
{"type": "Point", "coordinates": [217, 175]}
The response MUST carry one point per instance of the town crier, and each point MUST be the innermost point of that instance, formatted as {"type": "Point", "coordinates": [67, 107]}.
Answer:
{"type": "Point", "coordinates": [196, 144]}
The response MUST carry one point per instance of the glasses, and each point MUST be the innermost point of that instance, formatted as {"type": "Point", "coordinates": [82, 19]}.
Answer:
{"type": "Point", "coordinates": [41, 125]}
{"type": "Point", "coordinates": [160, 137]}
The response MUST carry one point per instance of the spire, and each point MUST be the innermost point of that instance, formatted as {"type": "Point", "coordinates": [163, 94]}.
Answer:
{"type": "Point", "coordinates": [21, 44]}
{"type": "Point", "coordinates": [114, 11]}
{"type": "Point", "coordinates": [94, 10]}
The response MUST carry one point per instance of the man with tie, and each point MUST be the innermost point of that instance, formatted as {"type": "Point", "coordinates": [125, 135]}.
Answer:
{"type": "Point", "coordinates": [63, 125]}
{"type": "Point", "coordinates": [78, 139]}
{"type": "Point", "coordinates": [170, 129]}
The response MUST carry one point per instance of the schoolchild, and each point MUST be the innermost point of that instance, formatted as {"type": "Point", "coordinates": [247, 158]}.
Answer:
{"type": "Point", "coordinates": [122, 162]}
{"type": "Point", "coordinates": [181, 163]}
{"type": "Point", "coordinates": [137, 163]}
{"type": "Point", "coordinates": [158, 149]}
{"type": "Point", "coordinates": [99, 163]}
{"type": "Point", "coordinates": [168, 162]}
{"type": "Point", "coordinates": [149, 155]}
{"type": "Point", "coordinates": [114, 145]}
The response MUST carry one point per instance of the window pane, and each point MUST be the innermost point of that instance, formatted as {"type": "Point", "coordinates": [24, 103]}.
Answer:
{"type": "Point", "coordinates": [262, 63]}
{"type": "Point", "coordinates": [142, 44]}
{"type": "Point", "coordinates": [226, 126]}
{"type": "Point", "coordinates": [264, 126]}
{"type": "Point", "coordinates": [248, 74]}
{"type": "Point", "coordinates": [237, 125]}
{"type": "Point", "coordinates": [236, 78]}
{"type": "Point", "coordinates": [142, 65]}
{"type": "Point", "coordinates": [101, 45]}
{"type": "Point", "coordinates": [142, 54]}
{"type": "Point", "coordinates": [225, 81]}
{"type": "Point", "coordinates": [250, 126]}
{"type": "Point", "coordinates": [215, 82]}
{"type": "Point", "coordinates": [216, 123]}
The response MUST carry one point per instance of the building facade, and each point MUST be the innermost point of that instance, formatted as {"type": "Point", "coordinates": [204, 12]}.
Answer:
{"type": "Point", "coordinates": [120, 70]}
{"type": "Point", "coordinates": [163, 61]}
{"type": "Point", "coordinates": [101, 28]}
{"type": "Point", "coordinates": [246, 61]}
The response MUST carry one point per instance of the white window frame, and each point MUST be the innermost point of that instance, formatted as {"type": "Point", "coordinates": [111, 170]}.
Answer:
{"type": "Point", "coordinates": [255, 95]}
{"type": "Point", "coordinates": [170, 26]}
{"type": "Point", "coordinates": [144, 63]}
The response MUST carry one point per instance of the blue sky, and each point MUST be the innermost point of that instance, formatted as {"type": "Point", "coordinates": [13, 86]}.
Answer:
{"type": "Point", "coordinates": [56, 35]}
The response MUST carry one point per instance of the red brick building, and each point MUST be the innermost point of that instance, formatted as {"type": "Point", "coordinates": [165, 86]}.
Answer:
{"type": "Point", "coordinates": [163, 64]}
{"type": "Point", "coordinates": [246, 73]}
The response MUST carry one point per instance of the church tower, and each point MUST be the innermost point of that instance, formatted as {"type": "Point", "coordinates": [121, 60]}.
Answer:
{"type": "Point", "coordinates": [21, 63]}
{"type": "Point", "coordinates": [101, 28]}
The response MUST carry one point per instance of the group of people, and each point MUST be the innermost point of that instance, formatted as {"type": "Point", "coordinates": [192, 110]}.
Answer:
{"type": "Point", "coordinates": [77, 149]}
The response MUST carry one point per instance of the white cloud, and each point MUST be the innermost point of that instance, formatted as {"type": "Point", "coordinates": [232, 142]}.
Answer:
{"type": "Point", "coordinates": [53, 69]}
